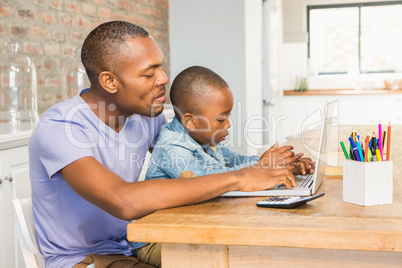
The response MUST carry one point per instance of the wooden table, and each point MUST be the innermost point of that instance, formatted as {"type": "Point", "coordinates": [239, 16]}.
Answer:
{"type": "Point", "coordinates": [327, 232]}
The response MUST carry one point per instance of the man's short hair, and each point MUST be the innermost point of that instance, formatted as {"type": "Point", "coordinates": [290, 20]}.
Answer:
{"type": "Point", "coordinates": [104, 48]}
{"type": "Point", "coordinates": [190, 89]}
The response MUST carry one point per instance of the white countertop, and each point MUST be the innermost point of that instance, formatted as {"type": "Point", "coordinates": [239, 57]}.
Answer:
{"type": "Point", "coordinates": [15, 139]}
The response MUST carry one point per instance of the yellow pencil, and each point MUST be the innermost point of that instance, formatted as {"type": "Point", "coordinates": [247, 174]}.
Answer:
{"type": "Point", "coordinates": [378, 154]}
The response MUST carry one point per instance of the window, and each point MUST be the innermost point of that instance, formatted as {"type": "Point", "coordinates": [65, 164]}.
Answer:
{"type": "Point", "coordinates": [355, 38]}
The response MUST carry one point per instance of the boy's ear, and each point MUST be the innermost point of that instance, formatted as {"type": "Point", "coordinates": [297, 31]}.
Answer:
{"type": "Point", "coordinates": [188, 120]}
{"type": "Point", "coordinates": [108, 81]}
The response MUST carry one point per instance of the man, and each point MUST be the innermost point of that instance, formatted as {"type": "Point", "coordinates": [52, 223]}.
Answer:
{"type": "Point", "coordinates": [86, 155]}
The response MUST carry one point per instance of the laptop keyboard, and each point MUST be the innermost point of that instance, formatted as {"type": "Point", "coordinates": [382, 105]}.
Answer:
{"type": "Point", "coordinates": [303, 181]}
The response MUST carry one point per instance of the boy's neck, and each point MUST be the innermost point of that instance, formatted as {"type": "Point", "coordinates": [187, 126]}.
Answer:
{"type": "Point", "coordinates": [191, 134]}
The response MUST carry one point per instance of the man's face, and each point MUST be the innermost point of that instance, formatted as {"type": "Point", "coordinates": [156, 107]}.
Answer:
{"type": "Point", "coordinates": [142, 80]}
{"type": "Point", "coordinates": [211, 127]}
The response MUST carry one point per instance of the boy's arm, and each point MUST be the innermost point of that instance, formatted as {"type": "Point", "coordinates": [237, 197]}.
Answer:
{"type": "Point", "coordinates": [285, 157]}
{"type": "Point", "coordinates": [174, 159]}
{"type": "Point", "coordinates": [103, 188]}
{"type": "Point", "coordinates": [233, 159]}
{"type": "Point", "coordinates": [274, 156]}
{"type": "Point", "coordinates": [169, 161]}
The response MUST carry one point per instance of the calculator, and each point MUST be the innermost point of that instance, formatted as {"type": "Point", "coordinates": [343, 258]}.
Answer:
{"type": "Point", "coordinates": [287, 201]}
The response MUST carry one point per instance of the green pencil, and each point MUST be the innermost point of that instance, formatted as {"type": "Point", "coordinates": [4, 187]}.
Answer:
{"type": "Point", "coordinates": [344, 150]}
{"type": "Point", "coordinates": [369, 155]}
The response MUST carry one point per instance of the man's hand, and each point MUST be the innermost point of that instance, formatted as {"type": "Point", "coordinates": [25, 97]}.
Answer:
{"type": "Point", "coordinates": [279, 156]}
{"type": "Point", "coordinates": [260, 177]}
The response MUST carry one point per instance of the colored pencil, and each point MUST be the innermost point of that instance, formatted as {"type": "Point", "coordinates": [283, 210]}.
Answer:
{"type": "Point", "coordinates": [344, 150]}
{"type": "Point", "coordinates": [359, 149]}
{"type": "Point", "coordinates": [366, 149]}
{"type": "Point", "coordinates": [378, 154]}
{"type": "Point", "coordinates": [380, 138]}
{"type": "Point", "coordinates": [389, 142]}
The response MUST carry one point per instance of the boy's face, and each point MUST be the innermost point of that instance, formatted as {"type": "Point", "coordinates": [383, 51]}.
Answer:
{"type": "Point", "coordinates": [211, 126]}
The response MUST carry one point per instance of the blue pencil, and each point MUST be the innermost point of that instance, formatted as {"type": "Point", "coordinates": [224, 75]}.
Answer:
{"type": "Point", "coordinates": [359, 149]}
{"type": "Point", "coordinates": [354, 148]}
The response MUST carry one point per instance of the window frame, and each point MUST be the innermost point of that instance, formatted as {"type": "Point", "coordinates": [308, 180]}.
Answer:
{"type": "Point", "coordinates": [359, 5]}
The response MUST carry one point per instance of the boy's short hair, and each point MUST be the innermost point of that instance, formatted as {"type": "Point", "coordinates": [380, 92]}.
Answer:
{"type": "Point", "coordinates": [104, 47]}
{"type": "Point", "coordinates": [191, 87]}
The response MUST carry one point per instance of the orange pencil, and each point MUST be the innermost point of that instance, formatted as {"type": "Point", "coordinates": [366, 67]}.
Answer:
{"type": "Point", "coordinates": [366, 149]}
{"type": "Point", "coordinates": [389, 141]}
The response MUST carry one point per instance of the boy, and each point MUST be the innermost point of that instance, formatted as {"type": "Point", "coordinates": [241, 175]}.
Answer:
{"type": "Point", "coordinates": [191, 143]}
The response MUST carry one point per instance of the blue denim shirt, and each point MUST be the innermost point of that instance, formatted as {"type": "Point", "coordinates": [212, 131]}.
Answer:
{"type": "Point", "coordinates": [175, 152]}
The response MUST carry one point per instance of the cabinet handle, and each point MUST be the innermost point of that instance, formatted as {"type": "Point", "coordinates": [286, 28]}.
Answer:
{"type": "Point", "coordinates": [9, 178]}
{"type": "Point", "coordinates": [1, 181]}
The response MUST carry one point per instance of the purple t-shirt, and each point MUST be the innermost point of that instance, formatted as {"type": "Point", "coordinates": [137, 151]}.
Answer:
{"type": "Point", "coordinates": [68, 226]}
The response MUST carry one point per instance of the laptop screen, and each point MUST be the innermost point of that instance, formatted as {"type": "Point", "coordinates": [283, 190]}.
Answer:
{"type": "Point", "coordinates": [328, 118]}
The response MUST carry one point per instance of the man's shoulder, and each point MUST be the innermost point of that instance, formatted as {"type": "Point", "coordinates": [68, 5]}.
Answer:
{"type": "Point", "coordinates": [61, 116]}
{"type": "Point", "coordinates": [65, 110]}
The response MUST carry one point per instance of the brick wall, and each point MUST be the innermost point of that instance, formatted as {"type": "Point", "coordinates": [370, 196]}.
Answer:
{"type": "Point", "coordinates": [50, 31]}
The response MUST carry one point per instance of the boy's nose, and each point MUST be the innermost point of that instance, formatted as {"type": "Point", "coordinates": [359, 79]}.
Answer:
{"type": "Point", "coordinates": [228, 125]}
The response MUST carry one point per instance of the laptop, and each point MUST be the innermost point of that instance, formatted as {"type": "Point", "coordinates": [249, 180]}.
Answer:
{"type": "Point", "coordinates": [306, 184]}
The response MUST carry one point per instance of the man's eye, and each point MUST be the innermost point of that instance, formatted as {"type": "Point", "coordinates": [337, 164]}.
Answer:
{"type": "Point", "coordinates": [148, 75]}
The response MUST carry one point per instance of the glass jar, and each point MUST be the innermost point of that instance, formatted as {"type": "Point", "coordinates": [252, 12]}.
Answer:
{"type": "Point", "coordinates": [74, 76]}
{"type": "Point", "coordinates": [18, 91]}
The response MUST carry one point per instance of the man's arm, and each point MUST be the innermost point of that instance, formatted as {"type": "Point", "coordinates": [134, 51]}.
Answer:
{"type": "Point", "coordinates": [103, 188]}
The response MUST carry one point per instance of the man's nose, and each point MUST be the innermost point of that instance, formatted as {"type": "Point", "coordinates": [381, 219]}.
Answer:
{"type": "Point", "coordinates": [162, 79]}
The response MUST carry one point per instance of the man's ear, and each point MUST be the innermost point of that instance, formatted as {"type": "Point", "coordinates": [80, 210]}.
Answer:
{"type": "Point", "coordinates": [188, 120]}
{"type": "Point", "coordinates": [108, 81]}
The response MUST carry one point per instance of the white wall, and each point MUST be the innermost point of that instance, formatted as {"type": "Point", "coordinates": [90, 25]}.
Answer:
{"type": "Point", "coordinates": [294, 52]}
{"type": "Point", "coordinates": [224, 36]}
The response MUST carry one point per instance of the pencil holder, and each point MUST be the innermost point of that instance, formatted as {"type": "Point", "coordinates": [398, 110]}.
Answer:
{"type": "Point", "coordinates": [367, 183]}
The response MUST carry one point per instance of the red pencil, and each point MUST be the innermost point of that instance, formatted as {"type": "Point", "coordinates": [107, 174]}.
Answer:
{"type": "Point", "coordinates": [389, 141]}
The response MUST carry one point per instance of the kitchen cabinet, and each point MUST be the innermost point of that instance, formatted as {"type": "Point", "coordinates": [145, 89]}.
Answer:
{"type": "Point", "coordinates": [14, 183]}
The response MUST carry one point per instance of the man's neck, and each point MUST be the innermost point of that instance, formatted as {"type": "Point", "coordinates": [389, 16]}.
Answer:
{"type": "Point", "coordinates": [105, 109]}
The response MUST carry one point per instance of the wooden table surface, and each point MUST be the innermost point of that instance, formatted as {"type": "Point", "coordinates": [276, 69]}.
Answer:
{"type": "Point", "coordinates": [329, 226]}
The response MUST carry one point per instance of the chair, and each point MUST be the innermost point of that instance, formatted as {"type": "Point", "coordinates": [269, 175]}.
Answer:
{"type": "Point", "coordinates": [27, 234]}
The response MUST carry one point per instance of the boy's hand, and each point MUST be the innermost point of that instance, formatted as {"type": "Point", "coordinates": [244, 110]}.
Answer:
{"type": "Point", "coordinates": [279, 157]}
{"type": "Point", "coordinates": [302, 166]}
{"type": "Point", "coordinates": [260, 177]}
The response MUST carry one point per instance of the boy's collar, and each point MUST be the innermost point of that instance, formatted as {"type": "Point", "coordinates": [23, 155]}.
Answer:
{"type": "Point", "coordinates": [178, 127]}
{"type": "Point", "coordinates": [213, 148]}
